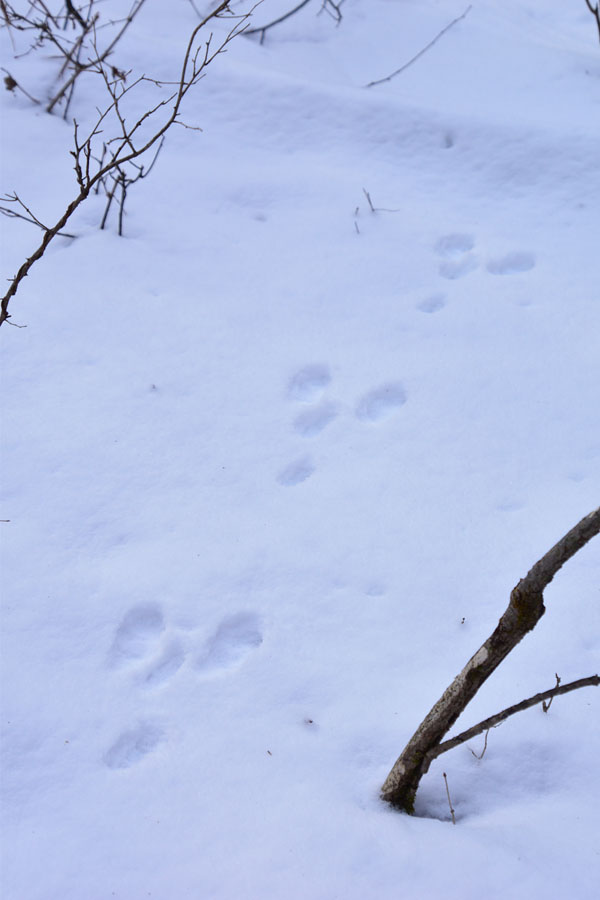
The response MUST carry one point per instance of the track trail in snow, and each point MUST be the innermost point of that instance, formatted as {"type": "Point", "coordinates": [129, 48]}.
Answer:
{"type": "Point", "coordinates": [156, 652]}
{"type": "Point", "coordinates": [307, 387]}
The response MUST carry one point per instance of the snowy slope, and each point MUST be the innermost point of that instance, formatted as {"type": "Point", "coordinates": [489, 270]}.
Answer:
{"type": "Point", "coordinates": [273, 462]}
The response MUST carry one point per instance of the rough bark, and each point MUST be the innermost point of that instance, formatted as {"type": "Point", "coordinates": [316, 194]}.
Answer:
{"type": "Point", "coordinates": [525, 609]}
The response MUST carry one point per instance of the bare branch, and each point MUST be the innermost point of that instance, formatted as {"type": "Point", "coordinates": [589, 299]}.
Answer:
{"type": "Point", "coordinates": [525, 609]}
{"type": "Point", "coordinates": [264, 28]}
{"type": "Point", "coordinates": [30, 217]}
{"type": "Point", "coordinates": [332, 9]}
{"type": "Point", "coordinates": [123, 149]}
{"type": "Point", "coordinates": [328, 6]}
{"type": "Point", "coordinates": [98, 58]}
{"type": "Point", "coordinates": [595, 11]}
{"type": "Point", "coordinates": [421, 52]}
{"type": "Point", "coordinates": [493, 721]}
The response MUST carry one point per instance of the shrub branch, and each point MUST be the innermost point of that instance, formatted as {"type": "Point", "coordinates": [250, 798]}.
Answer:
{"type": "Point", "coordinates": [132, 142]}
{"type": "Point", "coordinates": [525, 609]}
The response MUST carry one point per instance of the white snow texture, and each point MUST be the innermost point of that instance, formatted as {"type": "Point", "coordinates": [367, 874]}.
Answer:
{"type": "Point", "coordinates": [274, 459]}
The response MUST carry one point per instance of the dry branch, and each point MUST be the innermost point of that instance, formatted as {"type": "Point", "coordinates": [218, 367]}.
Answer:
{"type": "Point", "coordinates": [326, 6]}
{"type": "Point", "coordinates": [595, 11]}
{"type": "Point", "coordinates": [132, 142]}
{"type": "Point", "coordinates": [492, 721]}
{"type": "Point", "coordinates": [525, 609]}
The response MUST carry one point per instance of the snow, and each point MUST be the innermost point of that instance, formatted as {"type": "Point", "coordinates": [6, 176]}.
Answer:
{"type": "Point", "coordinates": [273, 463]}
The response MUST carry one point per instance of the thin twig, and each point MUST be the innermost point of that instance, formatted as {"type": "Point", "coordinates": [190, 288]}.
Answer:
{"type": "Point", "coordinates": [33, 220]}
{"type": "Point", "coordinates": [449, 800]}
{"type": "Point", "coordinates": [376, 209]}
{"type": "Point", "coordinates": [99, 58]}
{"type": "Point", "coordinates": [482, 754]}
{"type": "Point", "coordinates": [264, 28]}
{"type": "Point", "coordinates": [492, 721]}
{"type": "Point", "coordinates": [332, 9]}
{"type": "Point", "coordinates": [421, 52]}
{"type": "Point", "coordinates": [546, 706]}
{"type": "Point", "coordinates": [11, 84]}
{"type": "Point", "coordinates": [595, 11]}
{"type": "Point", "coordinates": [122, 149]}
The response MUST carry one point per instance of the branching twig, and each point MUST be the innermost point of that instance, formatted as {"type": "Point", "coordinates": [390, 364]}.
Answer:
{"type": "Point", "coordinates": [332, 9]}
{"type": "Point", "coordinates": [132, 142]}
{"type": "Point", "coordinates": [493, 721]}
{"type": "Point", "coordinates": [421, 52]}
{"type": "Point", "coordinates": [98, 58]}
{"type": "Point", "coordinates": [328, 6]}
{"type": "Point", "coordinates": [546, 706]}
{"type": "Point", "coordinates": [30, 217]}
{"type": "Point", "coordinates": [376, 209]}
{"type": "Point", "coordinates": [595, 11]}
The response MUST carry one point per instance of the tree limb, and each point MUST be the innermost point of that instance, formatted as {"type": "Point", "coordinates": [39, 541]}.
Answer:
{"type": "Point", "coordinates": [492, 721]}
{"type": "Point", "coordinates": [525, 609]}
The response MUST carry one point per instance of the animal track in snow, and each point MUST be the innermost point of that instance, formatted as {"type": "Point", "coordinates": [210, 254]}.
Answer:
{"type": "Point", "coordinates": [451, 246]}
{"type": "Point", "coordinates": [132, 746]}
{"type": "Point", "coordinates": [313, 421]}
{"type": "Point", "coordinates": [134, 637]}
{"type": "Point", "coordinates": [512, 263]}
{"type": "Point", "coordinates": [432, 304]}
{"type": "Point", "coordinates": [231, 643]}
{"type": "Point", "coordinates": [140, 637]}
{"type": "Point", "coordinates": [458, 268]}
{"type": "Point", "coordinates": [381, 402]}
{"type": "Point", "coordinates": [169, 663]}
{"type": "Point", "coordinates": [457, 259]}
{"type": "Point", "coordinates": [297, 472]}
{"type": "Point", "coordinates": [308, 383]}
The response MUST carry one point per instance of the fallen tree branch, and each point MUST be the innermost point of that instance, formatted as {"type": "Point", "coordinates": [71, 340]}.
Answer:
{"type": "Point", "coordinates": [423, 51]}
{"type": "Point", "coordinates": [525, 609]}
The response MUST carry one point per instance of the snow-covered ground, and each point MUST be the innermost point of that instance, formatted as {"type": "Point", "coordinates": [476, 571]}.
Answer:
{"type": "Point", "coordinates": [273, 462]}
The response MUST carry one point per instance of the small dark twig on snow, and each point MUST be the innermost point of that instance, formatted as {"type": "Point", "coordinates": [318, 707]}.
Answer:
{"type": "Point", "coordinates": [546, 706]}
{"type": "Point", "coordinates": [376, 209]}
{"type": "Point", "coordinates": [423, 51]}
{"type": "Point", "coordinates": [449, 800]}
